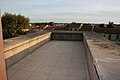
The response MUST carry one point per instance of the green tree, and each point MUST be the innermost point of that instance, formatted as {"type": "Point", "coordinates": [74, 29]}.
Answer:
{"type": "Point", "coordinates": [12, 22]}
{"type": "Point", "coordinates": [110, 24]}
{"type": "Point", "coordinates": [102, 25]}
{"type": "Point", "coordinates": [51, 23]}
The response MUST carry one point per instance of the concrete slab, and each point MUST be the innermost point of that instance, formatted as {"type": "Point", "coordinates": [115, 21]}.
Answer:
{"type": "Point", "coordinates": [56, 60]}
{"type": "Point", "coordinates": [105, 56]}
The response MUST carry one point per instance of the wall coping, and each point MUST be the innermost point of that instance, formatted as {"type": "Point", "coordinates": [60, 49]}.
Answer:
{"type": "Point", "coordinates": [17, 41]}
{"type": "Point", "coordinates": [106, 56]}
{"type": "Point", "coordinates": [67, 31]}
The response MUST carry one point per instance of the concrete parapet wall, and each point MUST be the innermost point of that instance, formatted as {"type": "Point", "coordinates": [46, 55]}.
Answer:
{"type": "Point", "coordinates": [90, 62]}
{"type": "Point", "coordinates": [67, 35]}
{"type": "Point", "coordinates": [103, 56]}
{"type": "Point", "coordinates": [24, 46]}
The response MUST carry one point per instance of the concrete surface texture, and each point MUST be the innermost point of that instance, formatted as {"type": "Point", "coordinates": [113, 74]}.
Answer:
{"type": "Point", "coordinates": [56, 60]}
{"type": "Point", "coordinates": [67, 35]}
{"type": "Point", "coordinates": [106, 56]}
{"type": "Point", "coordinates": [20, 40]}
{"type": "Point", "coordinates": [17, 48]}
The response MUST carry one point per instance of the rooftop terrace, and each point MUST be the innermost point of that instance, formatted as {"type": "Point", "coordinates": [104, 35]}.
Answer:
{"type": "Point", "coordinates": [62, 55]}
{"type": "Point", "coordinates": [56, 60]}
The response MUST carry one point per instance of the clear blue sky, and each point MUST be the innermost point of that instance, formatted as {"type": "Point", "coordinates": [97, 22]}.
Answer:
{"type": "Point", "coordinates": [95, 11]}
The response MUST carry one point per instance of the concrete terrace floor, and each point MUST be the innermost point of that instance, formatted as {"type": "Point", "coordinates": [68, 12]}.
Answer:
{"type": "Point", "coordinates": [56, 60]}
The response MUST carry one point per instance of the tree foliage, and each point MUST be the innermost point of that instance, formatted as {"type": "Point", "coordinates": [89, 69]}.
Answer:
{"type": "Point", "coordinates": [39, 24]}
{"type": "Point", "coordinates": [43, 23]}
{"type": "Point", "coordinates": [110, 24]}
{"type": "Point", "coordinates": [12, 22]}
{"type": "Point", "coordinates": [51, 23]}
{"type": "Point", "coordinates": [102, 25]}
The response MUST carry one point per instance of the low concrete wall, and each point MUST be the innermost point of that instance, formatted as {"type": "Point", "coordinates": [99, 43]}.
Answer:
{"type": "Point", "coordinates": [67, 35]}
{"type": "Point", "coordinates": [24, 46]}
{"type": "Point", "coordinates": [103, 56]}
{"type": "Point", "coordinates": [90, 62]}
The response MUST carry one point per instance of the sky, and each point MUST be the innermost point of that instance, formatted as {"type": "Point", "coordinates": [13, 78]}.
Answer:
{"type": "Point", "coordinates": [65, 11]}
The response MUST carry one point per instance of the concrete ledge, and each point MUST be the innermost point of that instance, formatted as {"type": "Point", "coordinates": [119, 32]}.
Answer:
{"type": "Point", "coordinates": [90, 62]}
{"type": "Point", "coordinates": [104, 55]}
{"type": "Point", "coordinates": [67, 35]}
{"type": "Point", "coordinates": [22, 46]}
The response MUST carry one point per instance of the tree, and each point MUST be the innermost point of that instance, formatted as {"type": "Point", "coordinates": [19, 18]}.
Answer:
{"type": "Point", "coordinates": [110, 24]}
{"type": "Point", "coordinates": [102, 25]}
{"type": "Point", "coordinates": [12, 22]}
{"type": "Point", "coordinates": [51, 23]}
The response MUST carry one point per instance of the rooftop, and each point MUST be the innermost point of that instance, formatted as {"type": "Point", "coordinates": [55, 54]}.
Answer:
{"type": "Point", "coordinates": [56, 60]}
{"type": "Point", "coordinates": [62, 55]}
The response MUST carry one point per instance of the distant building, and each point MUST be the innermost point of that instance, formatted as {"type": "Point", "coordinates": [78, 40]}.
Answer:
{"type": "Point", "coordinates": [109, 33]}
{"type": "Point", "coordinates": [64, 28]}
{"type": "Point", "coordinates": [49, 28]}
{"type": "Point", "coordinates": [60, 24]}
{"type": "Point", "coordinates": [26, 28]}
{"type": "Point", "coordinates": [117, 27]}
{"type": "Point", "coordinates": [74, 26]}
{"type": "Point", "coordinates": [36, 28]}
{"type": "Point", "coordinates": [86, 27]}
{"type": "Point", "coordinates": [69, 27]}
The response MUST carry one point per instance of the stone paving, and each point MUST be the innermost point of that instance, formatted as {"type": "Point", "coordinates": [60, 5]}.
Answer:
{"type": "Point", "coordinates": [56, 60]}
